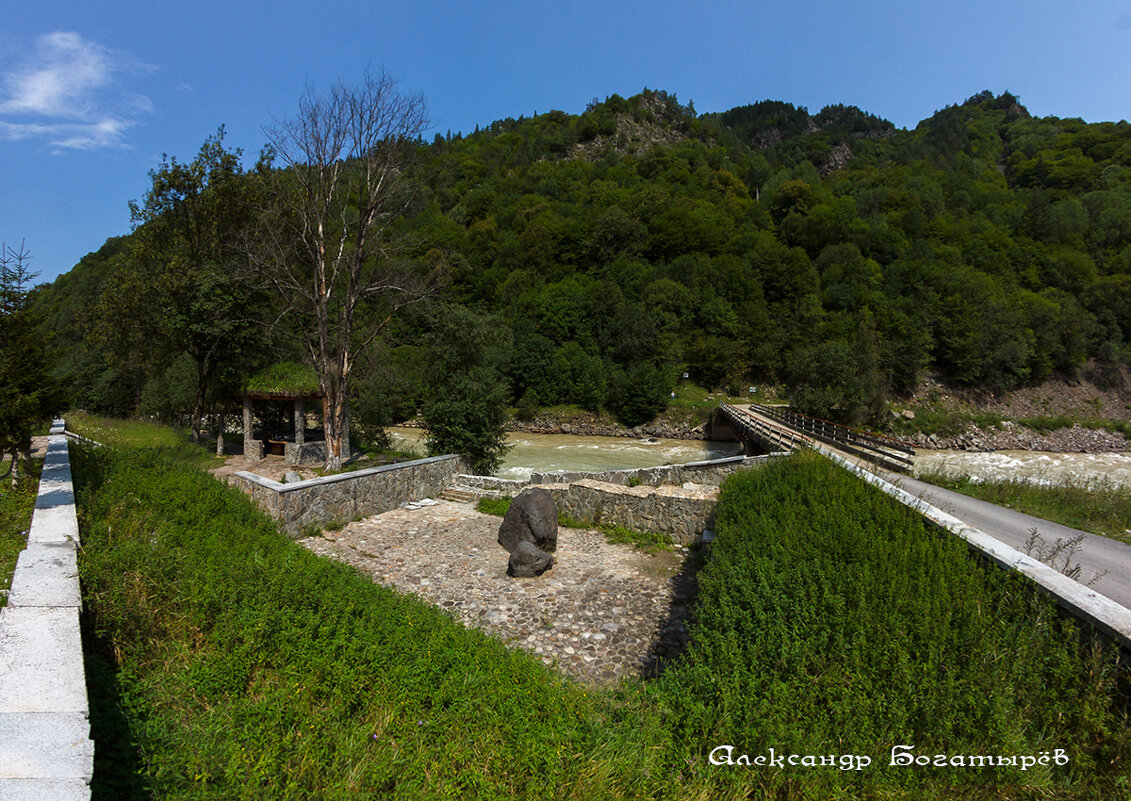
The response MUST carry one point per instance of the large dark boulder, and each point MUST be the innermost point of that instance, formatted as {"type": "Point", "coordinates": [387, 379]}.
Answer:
{"type": "Point", "coordinates": [528, 561]}
{"type": "Point", "coordinates": [532, 518]}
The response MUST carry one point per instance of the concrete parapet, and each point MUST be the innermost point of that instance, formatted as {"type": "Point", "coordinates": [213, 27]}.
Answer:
{"type": "Point", "coordinates": [345, 496]}
{"type": "Point", "coordinates": [45, 746]}
{"type": "Point", "coordinates": [47, 575]}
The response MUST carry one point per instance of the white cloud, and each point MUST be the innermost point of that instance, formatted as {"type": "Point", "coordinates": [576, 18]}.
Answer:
{"type": "Point", "coordinates": [68, 95]}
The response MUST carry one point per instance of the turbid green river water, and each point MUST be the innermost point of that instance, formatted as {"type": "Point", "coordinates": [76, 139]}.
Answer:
{"type": "Point", "coordinates": [548, 452]}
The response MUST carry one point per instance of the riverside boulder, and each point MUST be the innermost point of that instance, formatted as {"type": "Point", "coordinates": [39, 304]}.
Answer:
{"type": "Point", "coordinates": [531, 518]}
{"type": "Point", "coordinates": [527, 561]}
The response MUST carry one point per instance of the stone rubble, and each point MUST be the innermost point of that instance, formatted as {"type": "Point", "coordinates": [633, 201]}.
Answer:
{"type": "Point", "coordinates": [1011, 436]}
{"type": "Point", "coordinates": [603, 612]}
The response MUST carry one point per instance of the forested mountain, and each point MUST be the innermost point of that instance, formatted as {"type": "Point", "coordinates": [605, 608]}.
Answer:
{"type": "Point", "coordinates": [593, 258]}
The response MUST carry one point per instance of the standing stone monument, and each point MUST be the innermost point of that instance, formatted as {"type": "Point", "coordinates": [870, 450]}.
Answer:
{"type": "Point", "coordinates": [529, 532]}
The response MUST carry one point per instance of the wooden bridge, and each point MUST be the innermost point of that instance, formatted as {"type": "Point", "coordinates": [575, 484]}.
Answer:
{"type": "Point", "coordinates": [763, 428]}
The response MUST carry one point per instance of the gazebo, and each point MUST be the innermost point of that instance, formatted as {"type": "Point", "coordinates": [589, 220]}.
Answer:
{"type": "Point", "coordinates": [291, 384]}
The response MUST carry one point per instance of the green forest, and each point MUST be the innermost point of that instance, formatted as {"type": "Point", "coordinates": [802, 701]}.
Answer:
{"type": "Point", "coordinates": [593, 259]}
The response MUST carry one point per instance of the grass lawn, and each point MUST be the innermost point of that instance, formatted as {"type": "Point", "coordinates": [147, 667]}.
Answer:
{"type": "Point", "coordinates": [142, 434]}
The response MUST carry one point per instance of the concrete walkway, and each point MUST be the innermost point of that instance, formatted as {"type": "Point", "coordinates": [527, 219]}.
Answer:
{"type": "Point", "coordinates": [45, 747]}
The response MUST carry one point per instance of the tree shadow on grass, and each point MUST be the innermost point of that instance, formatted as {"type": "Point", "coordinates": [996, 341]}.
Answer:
{"type": "Point", "coordinates": [672, 632]}
{"type": "Point", "coordinates": [118, 772]}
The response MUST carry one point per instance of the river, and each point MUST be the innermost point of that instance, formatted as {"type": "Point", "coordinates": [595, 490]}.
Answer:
{"type": "Point", "coordinates": [548, 452]}
{"type": "Point", "coordinates": [1039, 467]}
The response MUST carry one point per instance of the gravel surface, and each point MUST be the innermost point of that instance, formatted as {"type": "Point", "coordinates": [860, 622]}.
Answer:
{"type": "Point", "coordinates": [603, 611]}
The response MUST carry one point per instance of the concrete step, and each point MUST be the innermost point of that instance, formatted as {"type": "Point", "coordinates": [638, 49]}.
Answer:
{"type": "Point", "coordinates": [459, 494]}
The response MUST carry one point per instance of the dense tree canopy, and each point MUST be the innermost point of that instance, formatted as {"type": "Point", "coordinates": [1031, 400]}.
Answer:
{"type": "Point", "coordinates": [835, 253]}
{"type": "Point", "coordinates": [27, 393]}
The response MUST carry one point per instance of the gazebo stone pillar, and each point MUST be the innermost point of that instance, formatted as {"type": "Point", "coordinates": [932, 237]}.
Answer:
{"type": "Point", "coordinates": [252, 448]}
{"type": "Point", "coordinates": [295, 452]}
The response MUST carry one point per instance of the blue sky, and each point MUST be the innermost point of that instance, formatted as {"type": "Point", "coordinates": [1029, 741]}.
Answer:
{"type": "Point", "coordinates": [92, 94]}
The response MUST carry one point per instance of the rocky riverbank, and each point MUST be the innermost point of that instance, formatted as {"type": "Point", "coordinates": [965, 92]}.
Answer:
{"type": "Point", "coordinates": [601, 427]}
{"type": "Point", "coordinates": [1011, 436]}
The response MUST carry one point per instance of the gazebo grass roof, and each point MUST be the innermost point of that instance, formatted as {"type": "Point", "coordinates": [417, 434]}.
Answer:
{"type": "Point", "coordinates": [284, 380]}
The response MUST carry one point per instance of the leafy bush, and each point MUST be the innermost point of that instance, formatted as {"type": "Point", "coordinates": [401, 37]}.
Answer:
{"type": "Point", "coordinates": [494, 506]}
{"type": "Point", "coordinates": [527, 408]}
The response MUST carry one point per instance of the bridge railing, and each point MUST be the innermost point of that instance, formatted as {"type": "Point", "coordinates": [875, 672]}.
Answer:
{"type": "Point", "coordinates": [778, 435]}
{"type": "Point", "coordinates": [868, 445]}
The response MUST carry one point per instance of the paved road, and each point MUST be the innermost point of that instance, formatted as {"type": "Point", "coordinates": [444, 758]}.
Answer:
{"type": "Point", "coordinates": [1108, 559]}
{"type": "Point", "coordinates": [1105, 563]}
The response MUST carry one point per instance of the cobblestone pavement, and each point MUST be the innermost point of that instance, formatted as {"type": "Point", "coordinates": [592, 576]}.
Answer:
{"type": "Point", "coordinates": [603, 611]}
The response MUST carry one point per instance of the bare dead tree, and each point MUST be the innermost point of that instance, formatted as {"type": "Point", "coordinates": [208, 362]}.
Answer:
{"type": "Point", "coordinates": [326, 244]}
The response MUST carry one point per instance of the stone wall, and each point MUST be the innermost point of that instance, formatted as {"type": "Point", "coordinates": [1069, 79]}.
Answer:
{"type": "Point", "coordinates": [342, 497]}
{"type": "Point", "coordinates": [304, 452]}
{"type": "Point", "coordinates": [675, 500]}
{"type": "Point", "coordinates": [677, 512]}
{"type": "Point", "coordinates": [505, 486]}
{"type": "Point", "coordinates": [711, 473]}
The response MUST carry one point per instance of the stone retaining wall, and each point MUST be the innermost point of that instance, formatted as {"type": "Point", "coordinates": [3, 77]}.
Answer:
{"type": "Point", "coordinates": [711, 473]}
{"type": "Point", "coordinates": [507, 486]}
{"type": "Point", "coordinates": [342, 497]}
{"type": "Point", "coordinates": [678, 513]}
{"type": "Point", "coordinates": [45, 746]}
{"type": "Point", "coordinates": [641, 499]}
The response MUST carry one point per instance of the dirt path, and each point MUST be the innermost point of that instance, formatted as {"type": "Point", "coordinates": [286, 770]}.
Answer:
{"type": "Point", "coordinates": [602, 612]}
